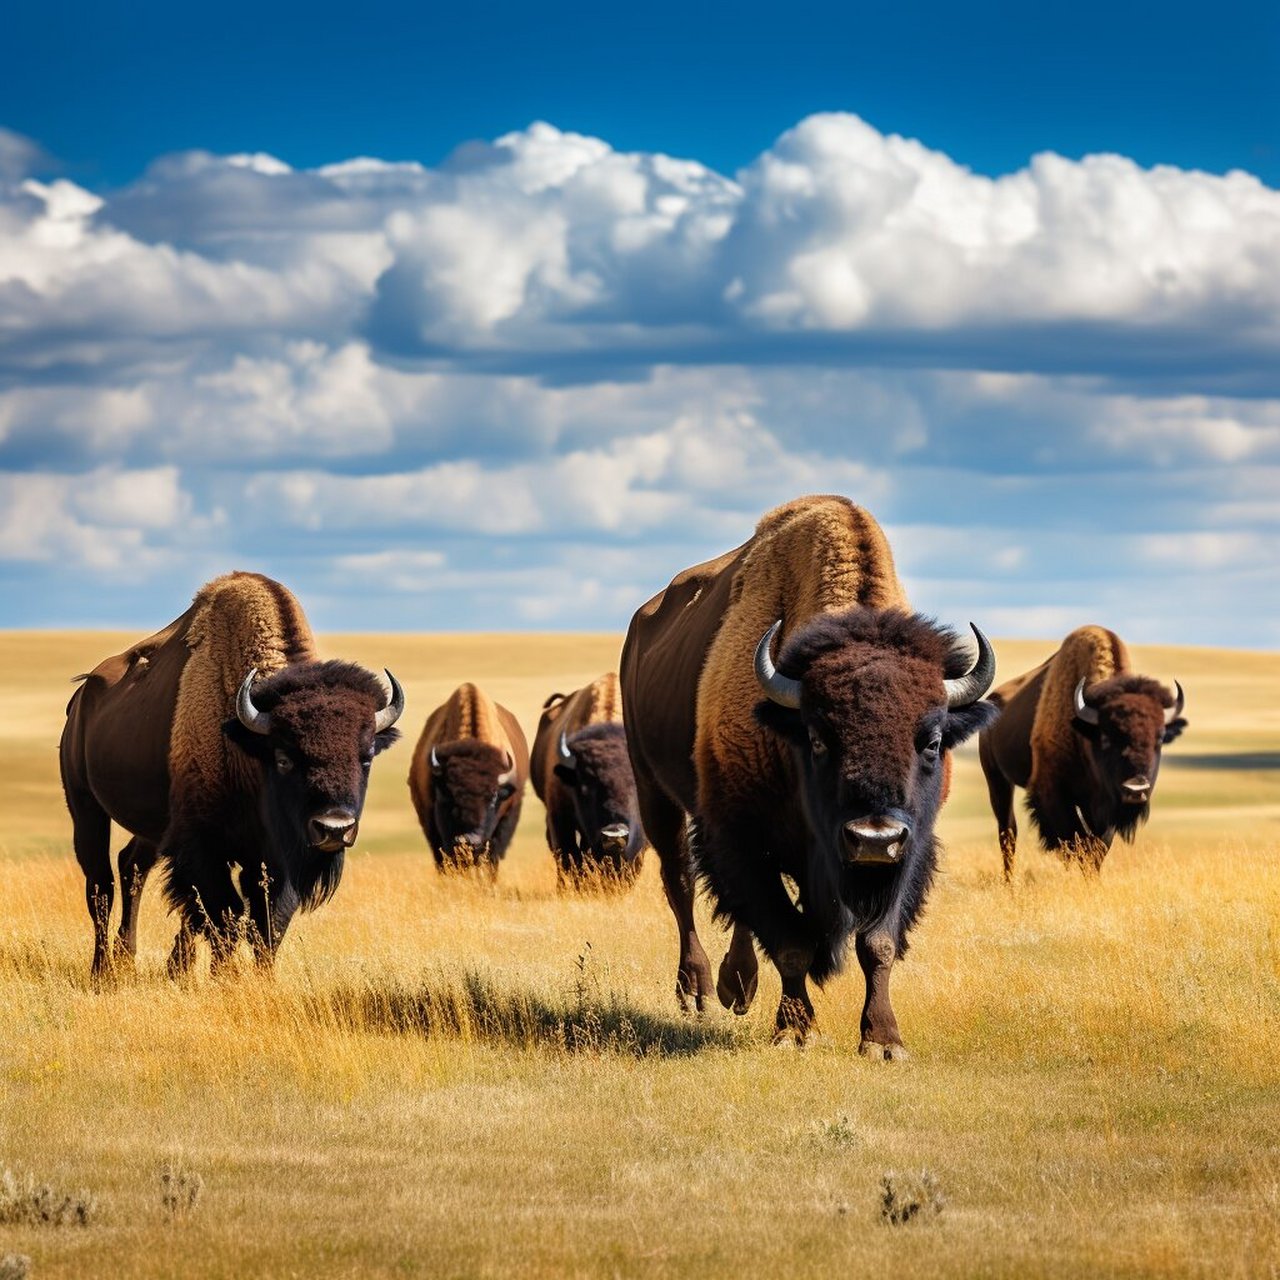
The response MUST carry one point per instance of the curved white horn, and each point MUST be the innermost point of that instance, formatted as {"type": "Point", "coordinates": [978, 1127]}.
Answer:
{"type": "Point", "coordinates": [1176, 710]}
{"type": "Point", "coordinates": [249, 715]}
{"type": "Point", "coordinates": [435, 761]}
{"type": "Point", "coordinates": [394, 708]}
{"type": "Point", "coordinates": [566, 756]}
{"type": "Point", "coordinates": [966, 689]}
{"type": "Point", "coordinates": [1083, 711]}
{"type": "Point", "coordinates": [781, 689]}
{"type": "Point", "coordinates": [508, 778]}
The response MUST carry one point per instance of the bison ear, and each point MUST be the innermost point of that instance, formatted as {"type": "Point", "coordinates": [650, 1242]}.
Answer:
{"type": "Point", "coordinates": [964, 722]}
{"type": "Point", "coordinates": [786, 722]}
{"type": "Point", "coordinates": [1173, 729]}
{"type": "Point", "coordinates": [566, 773]}
{"type": "Point", "coordinates": [387, 738]}
{"type": "Point", "coordinates": [258, 745]}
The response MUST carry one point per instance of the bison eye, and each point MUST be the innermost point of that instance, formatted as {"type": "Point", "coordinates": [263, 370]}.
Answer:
{"type": "Point", "coordinates": [506, 791]}
{"type": "Point", "coordinates": [284, 763]}
{"type": "Point", "coordinates": [816, 743]}
{"type": "Point", "coordinates": [366, 763]}
{"type": "Point", "coordinates": [931, 749]}
{"type": "Point", "coordinates": [1104, 741]}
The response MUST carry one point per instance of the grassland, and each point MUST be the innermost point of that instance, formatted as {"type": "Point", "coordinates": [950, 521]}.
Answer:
{"type": "Point", "coordinates": [449, 1079]}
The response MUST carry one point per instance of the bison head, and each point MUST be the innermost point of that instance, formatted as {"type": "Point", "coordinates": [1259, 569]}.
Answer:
{"type": "Point", "coordinates": [314, 729]}
{"type": "Point", "coordinates": [594, 765]}
{"type": "Point", "coordinates": [870, 702]}
{"type": "Point", "coordinates": [1126, 720]}
{"type": "Point", "coordinates": [473, 786]}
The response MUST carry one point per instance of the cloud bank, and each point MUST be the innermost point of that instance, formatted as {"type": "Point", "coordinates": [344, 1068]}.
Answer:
{"type": "Point", "coordinates": [526, 386]}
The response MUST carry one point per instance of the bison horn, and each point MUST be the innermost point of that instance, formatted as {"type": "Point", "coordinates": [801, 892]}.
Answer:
{"type": "Point", "coordinates": [966, 689]}
{"type": "Point", "coordinates": [249, 715]}
{"type": "Point", "coordinates": [781, 689]}
{"type": "Point", "coordinates": [508, 778]}
{"type": "Point", "coordinates": [394, 708]}
{"type": "Point", "coordinates": [1176, 710]}
{"type": "Point", "coordinates": [435, 761]}
{"type": "Point", "coordinates": [1083, 711]}
{"type": "Point", "coordinates": [566, 755]}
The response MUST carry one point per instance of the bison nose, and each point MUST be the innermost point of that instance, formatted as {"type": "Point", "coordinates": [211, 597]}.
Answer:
{"type": "Point", "coordinates": [1137, 790]}
{"type": "Point", "coordinates": [333, 829]}
{"type": "Point", "coordinates": [616, 833]}
{"type": "Point", "coordinates": [875, 839]}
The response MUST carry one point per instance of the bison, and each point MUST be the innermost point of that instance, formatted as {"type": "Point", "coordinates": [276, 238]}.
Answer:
{"type": "Point", "coordinates": [235, 757]}
{"type": "Point", "coordinates": [467, 780]}
{"type": "Point", "coordinates": [1082, 733]}
{"type": "Point", "coordinates": [807, 812]}
{"type": "Point", "coordinates": [581, 771]}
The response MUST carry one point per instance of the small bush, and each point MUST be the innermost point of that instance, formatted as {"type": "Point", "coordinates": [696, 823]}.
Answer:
{"type": "Point", "coordinates": [15, 1266]}
{"type": "Point", "coordinates": [904, 1197]}
{"type": "Point", "coordinates": [838, 1132]}
{"type": "Point", "coordinates": [23, 1201]}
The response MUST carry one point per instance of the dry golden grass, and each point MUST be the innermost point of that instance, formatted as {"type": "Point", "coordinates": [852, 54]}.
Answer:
{"type": "Point", "coordinates": [450, 1079]}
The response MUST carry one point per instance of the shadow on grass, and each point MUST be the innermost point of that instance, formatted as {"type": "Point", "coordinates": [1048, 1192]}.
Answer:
{"type": "Point", "coordinates": [1245, 761]}
{"type": "Point", "coordinates": [473, 1007]}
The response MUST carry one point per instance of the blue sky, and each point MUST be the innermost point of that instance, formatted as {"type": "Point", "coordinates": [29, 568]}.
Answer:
{"type": "Point", "coordinates": [496, 320]}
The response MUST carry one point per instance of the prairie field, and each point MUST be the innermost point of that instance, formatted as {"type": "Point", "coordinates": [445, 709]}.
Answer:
{"type": "Point", "coordinates": [450, 1078]}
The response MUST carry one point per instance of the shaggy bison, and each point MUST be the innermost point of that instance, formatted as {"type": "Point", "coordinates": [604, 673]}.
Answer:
{"type": "Point", "coordinates": [800, 782]}
{"type": "Point", "coordinates": [234, 756]}
{"type": "Point", "coordinates": [581, 771]}
{"type": "Point", "coordinates": [1082, 733]}
{"type": "Point", "coordinates": [467, 780]}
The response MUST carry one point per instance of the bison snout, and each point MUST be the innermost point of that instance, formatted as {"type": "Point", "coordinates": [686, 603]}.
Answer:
{"type": "Point", "coordinates": [332, 830]}
{"type": "Point", "coordinates": [615, 836]}
{"type": "Point", "coordinates": [1137, 790]}
{"type": "Point", "coordinates": [875, 839]}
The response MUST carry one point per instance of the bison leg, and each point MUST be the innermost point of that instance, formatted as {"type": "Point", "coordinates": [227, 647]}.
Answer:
{"type": "Point", "coordinates": [880, 1036]}
{"type": "Point", "coordinates": [739, 972]}
{"type": "Point", "coordinates": [794, 1022]}
{"type": "Point", "coordinates": [272, 905]}
{"type": "Point", "coordinates": [562, 838]}
{"type": "Point", "coordinates": [664, 823]}
{"type": "Point", "coordinates": [92, 841]}
{"type": "Point", "coordinates": [208, 901]}
{"type": "Point", "coordinates": [136, 860]}
{"type": "Point", "coordinates": [1000, 791]}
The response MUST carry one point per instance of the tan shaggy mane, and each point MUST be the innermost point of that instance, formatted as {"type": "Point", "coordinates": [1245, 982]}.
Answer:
{"type": "Point", "coordinates": [812, 555]}
{"type": "Point", "coordinates": [1093, 653]}
{"type": "Point", "coordinates": [240, 621]}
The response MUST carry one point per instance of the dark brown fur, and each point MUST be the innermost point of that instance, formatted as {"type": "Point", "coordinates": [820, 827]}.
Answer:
{"type": "Point", "coordinates": [595, 791]}
{"type": "Point", "coordinates": [707, 748]}
{"type": "Point", "coordinates": [1073, 772]}
{"type": "Point", "coordinates": [467, 820]}
{"type": "Point", "coordinates": [149, 744]}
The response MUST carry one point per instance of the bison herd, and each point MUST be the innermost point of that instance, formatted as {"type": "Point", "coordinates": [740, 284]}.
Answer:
{"type": "Point", "coordinates": [785, 746]}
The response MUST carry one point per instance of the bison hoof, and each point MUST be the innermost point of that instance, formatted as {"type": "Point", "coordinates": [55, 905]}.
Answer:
{"type": "Point", "coordinates": [733, 992]}
{"type": "Point", "coordinates": [796, 1038]}
{"type": "Point", "coordinates": [691, 992]}
{"type": "Point", "coordinates": [883, 1052]}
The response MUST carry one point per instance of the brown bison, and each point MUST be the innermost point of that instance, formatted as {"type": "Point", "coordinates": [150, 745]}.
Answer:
{"type": "Point", "coordinates": [808, 812]}
{"type": "Point", "coordinates": [582, 773]}
{"type": "Point", "coordinates": [1082, 733]}
{"type": "Point", "coordinates": [234, 756]}
{"type": "Point", "coordinates": [467, 780]}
